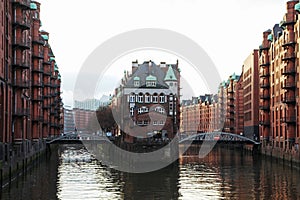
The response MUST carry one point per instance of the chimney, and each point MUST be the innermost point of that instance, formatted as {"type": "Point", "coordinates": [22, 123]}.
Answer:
{"type": "Point", "coordinates": [135, 65]}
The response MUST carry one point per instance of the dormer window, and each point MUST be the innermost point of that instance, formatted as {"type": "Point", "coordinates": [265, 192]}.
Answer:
{"type": "Point", "coordinates": [151, 81]}
{"type": "Point", "coordinates": [136, 81]}
{"type": "Point", "coordinates": [151, 84]}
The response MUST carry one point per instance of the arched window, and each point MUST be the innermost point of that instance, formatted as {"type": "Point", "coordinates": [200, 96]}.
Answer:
{"type": "Point", "coordinates": [132, 98]}
{"type": "Point", "coordinates": [162, 98]}
{"type": "Point", "coordinates": [155, 98]}
{"type": "Point", "coordinates": [147, 98]}
{"type": "Point", "coordinates": [140, 98]}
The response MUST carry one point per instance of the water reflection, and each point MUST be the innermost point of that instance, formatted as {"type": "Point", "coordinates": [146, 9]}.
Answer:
{"type": "Point", "coordinates": [81, 177]}
{"type": "Point", "coordinates": [72, 173]}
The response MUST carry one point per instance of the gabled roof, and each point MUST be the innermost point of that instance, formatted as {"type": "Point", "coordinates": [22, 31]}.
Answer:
{"type": "Point", "coordinates": [147, 71]}
{"type": "Point", "coordinates": [170, 75]}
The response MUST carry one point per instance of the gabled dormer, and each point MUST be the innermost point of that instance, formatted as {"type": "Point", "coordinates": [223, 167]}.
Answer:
{"type": "Point", "coordinates": [151, 81]}
{"type": "Point", "coordinates": [136, 81]}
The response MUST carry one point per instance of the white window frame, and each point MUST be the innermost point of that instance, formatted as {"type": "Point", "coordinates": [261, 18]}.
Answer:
{"type": "Point", "coordinates": [155, 99]}
{"type": "Point", "coordinates": [136, 83]}
{"type": "Point", "coordinates": [147, 98]}
{"type": "Point", "coordinates": [162, 99]}
{"type": "Point", "coordinates": [132, 98]}
{"type": "Point", "coordinates": [140, 99]}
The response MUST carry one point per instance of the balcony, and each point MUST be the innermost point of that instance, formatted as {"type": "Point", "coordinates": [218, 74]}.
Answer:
{"type": "Point", "coordinates": [47, 95]}
{"type": "Point", "coordinates": [289, 56]}
{"type": "Point", "coordinates": [288, 120]}
{"type": "Point", "coordinates": [288, 71]}
{"type": "Point", "coordinates": [47, 84]}
{"type": "Point", "coordinates": [21, 83]}
{"type": "Point", "coordinates": [21, 23]}
{"type": "Point", "coordinates": [22, 3]}
{"type": "Point", "coordinates": [47, 72]}
{"type": "Point", "coordinates": [21, 44]}
{"type": "Point", "coordinates": [38, 118]}
{"type": "Point", "coordinates": [289, 43]}
{"type": "Point", "coordinates": [264, 96]}
{"type": "Point", "coordinates": [264, 107]}
{"type": "Point", "coordinates": [37, 98]}
{"type": "Point", "coordinates": [264, 85]}
{"type": "Point", "coordinates": [46, 106]}
{"type": "Point", "coordinates": [38, 40]}
{"type": "Point", "coordinates": [37, 83]}
{"type": "Point", "coordinates": [262, 47]}
{"type": "Point", "coordinates": [47, 62]}
{"type": "Point", "coordinates": [20, 63]}
{"type": "Point", "coordinates": [39, 55]}
{"type": "Point", "coordinates": [38, 69]}
{"type": "Point", "coordinates": [21, 112]}
{"type": "Point", "coordinates": [264, 74]}
{"type": "Point", "coordinates": [264, 123]}
{"type": "Point", "coordinates": [288, 85]}
{"type": "Point", "coordinates": [284, 23]}
{"type": "Point", "coordinates": [289, 100]}
{"type": "Point", "coordinates": [265, 64]}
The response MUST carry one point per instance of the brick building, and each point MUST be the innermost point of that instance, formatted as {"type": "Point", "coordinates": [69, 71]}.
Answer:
{"type": "Point", "coordinates": [30, 103]}
{"type": "Point", "coordinates": [148, 100]}
{"type": "Point", "coordinates": [251, 95]}
{"type": "Point", "coordinates": [279, 60]}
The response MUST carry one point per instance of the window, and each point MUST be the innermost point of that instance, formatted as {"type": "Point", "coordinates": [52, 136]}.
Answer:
{"type": "Point", "coordinates": [155, 98]}
{"type": "Point", "coordinates": [161, 123]}
{"type": "Point", "coordinates": [151, 83]}
{"type": "Point", "coordinates": [155, 123]}
{"type": "Point", "coordinates": [140, 98]}
{"type": "Point", "coordinates": [143, 109]}
{"type": "Point", "coordinates": [147, 98]}
{"type": "Point", "coordinates": [132, 98]}
{"type": "Point", "coordinates": [161, 98]}
{"type": "Point", "coordinates": [136, 83]}
{"type": "Point", "coordinates": [171, 108]}
{"type": "Point", "coordinates": [131, 111]}
{"type": "Point", "coordinates": [160, 110]}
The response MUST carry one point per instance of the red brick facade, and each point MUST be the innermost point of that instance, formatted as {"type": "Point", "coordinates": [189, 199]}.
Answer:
{"type": "Point", "coordinates": [30, 102]}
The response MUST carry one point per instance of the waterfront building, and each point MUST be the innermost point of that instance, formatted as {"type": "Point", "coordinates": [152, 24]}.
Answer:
{"type": "Point", "coordinates": [231, 102]}
{"type": "Point", "coordinates": [30, 103]}
{"type": "Point", "coordinates": [279, 82]}
{"type": "Point", "coordinates": [148, 100]}
{"type": "Point", "coordinates": [251, 96]}
{"type": "Point", "coordinates": [69, 120]}
{"type": "Point", "coordinates": [82, 119]}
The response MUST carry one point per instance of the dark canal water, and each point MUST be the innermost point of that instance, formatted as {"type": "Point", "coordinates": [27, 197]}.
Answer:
{"type": "Point", "coordinates": [223, 174]}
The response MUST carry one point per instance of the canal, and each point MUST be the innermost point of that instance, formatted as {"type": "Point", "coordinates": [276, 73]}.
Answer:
{"type": "Point", "coordinates": [71, 173]}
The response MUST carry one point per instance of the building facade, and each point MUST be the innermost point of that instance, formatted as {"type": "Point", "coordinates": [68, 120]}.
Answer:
{"type": "Point", "coordinates": [30, 102]}
{"type": "Point", "coordinates": [148, 99]}
{"type": "Point", "coordinates": [251, 95]}
{"type": "Point", "coordinates": [279, 79]}
{"type": "Point", "coordinates": [69, 120]}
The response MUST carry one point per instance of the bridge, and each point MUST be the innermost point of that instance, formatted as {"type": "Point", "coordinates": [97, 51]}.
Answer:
{"type": "Point", "coordinates": [72, 137]}
{"type": "Point", "coordinates": [220, 137]}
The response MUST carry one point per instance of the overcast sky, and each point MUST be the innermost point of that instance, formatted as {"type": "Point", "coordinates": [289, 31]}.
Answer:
{"type": "Point", "coordinates": [227, 30]}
